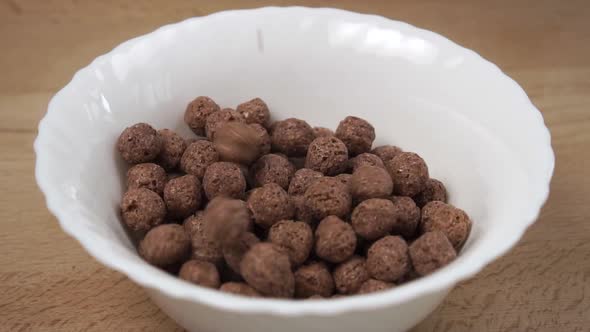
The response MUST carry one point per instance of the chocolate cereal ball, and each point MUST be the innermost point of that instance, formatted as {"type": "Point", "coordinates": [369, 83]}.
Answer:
{"type": "Point", "coordinates": [234, 252]}
{"type": "Point", "coordinates": [237, 142]}
{"type": "Point", "coordinates": [292, 137]}
{"type": "Point", "coordinates": [269, 204]}
{"type": "Point", "coordinates": [388, 259]}
{"type": "Point", "coordinates": [407, 217]}
{"type": "Point", "coordinates": [239, 288]}
{"type": "Point", "coordinates": [182, 196]}
{"type": "Point", "coordinates": [204, 248]}
{"type": "Point", "coordinates": [173, 147]}
{"type": "Point", "coordinates": [302, 213]}
{"type": "Point", "coordinates": [386, 152]}
{"type": "Point", "coordinates": [327, 155]}
{"type": "Point", "coordinates": [434, 190]}
{"type": "Point", "coordinates": [365, 159]}
{"type": "Point", "coordinates": [335, 240]}
{"type": "Point", "coordinates": [344, 178]}
{"type": "Point", "coordinates": [322, 132]}
{"type": "Point", "coordinates": [226, 219]}
{"type": "Point", "coordinates": [224, 179]}
{"type": "Point", "coordinates": [430, 252]}
{"type": "Point", "coordinates": [272, 168]}
{"type": "Point", "coordinates": [301, 180]}
{"type": "Point", "coordinates": [451, 221]}
{"type": "Point", "coordinates": [328, 196]}
{"type": "Point", "coordinates": [373, 218]}
{"type": "Point", "coordinates": [142, 209]}
{"type": "Point", "coordinates": [192, 223]}
{"type": "Point", "coordinates": [267, 269]}
{"type": "Point", "coordinates": [374, 285]}
{"type": "Point", "coordinates": [165, 245]}
{"type": "Point", "coordinates": [313, 279]}
{"type": "Point", "coordinates": [218, 119]}
{"type": "Point", "coordinates": [139, 143]}
{"type": "Point", "coordinates": [357, 134]}
{"type": "Point", "coordinates": [255, 111]}
{"type": "Point", "coordinates": [295, 237]}
{"type": "Point", "coordinates": [197, 112]}
{"type": "Point", "coordinates": [147, 175]}
{"type": "Point", "coordinates": [200, 273]}
{"type": "Point", "coordinates": [263, 138]}
{"type": "Point", "coordinates": [370, 182]}
{"type": "Point", "coordinates": [409, 173]}
{"type": "Point", "coordinates": [350, 275]}
{"type": "Point", "coordinates": [197, 157]}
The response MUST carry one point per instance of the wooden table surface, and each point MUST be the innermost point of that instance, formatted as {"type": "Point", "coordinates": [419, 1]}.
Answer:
{"type": "Point", "coordinates": [49, 283]}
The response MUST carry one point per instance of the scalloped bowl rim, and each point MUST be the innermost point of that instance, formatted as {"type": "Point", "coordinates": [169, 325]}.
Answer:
{"type": "Point", "coordinates": [175, 288]}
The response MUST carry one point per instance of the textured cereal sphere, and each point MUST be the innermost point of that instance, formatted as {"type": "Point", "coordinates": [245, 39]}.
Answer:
{"type": "Point", "coordinates": [267, 269]}
{"type": "Point", "coordinates": [292, 137]}
{"type": "Point", "coordinates": [328, 196]}
{"type": "Point", "coordinates": [197, 112]}
{"type": "Point", "coordinates": [263, 139]}
{"type": "Point", "coordinates": [301, 180]}
{"type": "Point", "coordinates": [165, 245]}
{"type": "Point", "coordinates": [239, 288]}
{"type": "Point", "coordinates": [373, 285]}
{"type": "Point", "coordinates": [357, 134]}
{"type": "Point", "coordinates": [370, 182]}
{"type": "Point", "coordinates": [237, 142]}
{"type": "Point", "coordinates": [224, 179]}
{"type": "Point", "coordinates": [234, 252]}
{"type": "Point", "coordinates": [218, 119]}
{"type": "Point", "coordinates": [139, 143]}
{"type": "Point", "coordinates": [451, 221]}
{"type": "Point", "coordinates": [147, 175]}
{"type": "Point", "coordinates": [350, 275]}
{"type": "Point", "coordinates": [302, 213]}
{"type": "Point", "coordinates": [226, 219]}
{"type": "Point", "coordinates": [386, 152]}
{"type": "Point", "coordinates": [373, 218]}
{"type": "Point", "coordinates": [327, 155]}
{"type": "Point", "coordinates": [182, 196]}
{"type": "Point", "coordinates": [388, 259]}
{"type": "Point", "coordinates": [335, 240]}
{"type": "Point", "coordinates": [272, 168]}
{"type": "Point", "coordinates": [173, 147]}
{"type": "Point", "coordinates": [197, 157]}
{"type": "Point", "coordinates": [269, 204]}
{"type": "Point", "coordinates": [322, 132]}
{"type": "Point", "coordinates": [142, 209]}
{"type": "Point", "coordinates": [409, 173]}
{"type": "Point", "coordinates": [204, 248]}
{"type": "Point", "coordinates": [255, 111]}
{"type": "Point", "coordinates": [365, 159]}
{"type": "Point", "coordinates": [192, 223]}
{"type": "Point", "coordinates": [430, 252]}
{"type": "Point", "coordinates": [313, 279]}
{"type": "Point", "coordinates": [407, 217]}
{"type": "Point", "coordinates": [200, 273]}
{"type": "Point", "coordinates": [344, 178]}
{"type": "Point", "coordinates": [295, 237]}
{"type": "Point", "coordinates": [434, 190]}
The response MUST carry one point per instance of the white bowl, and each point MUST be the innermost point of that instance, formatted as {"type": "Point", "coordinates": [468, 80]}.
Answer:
{"type": "Point", "coordinates": [475, 127]}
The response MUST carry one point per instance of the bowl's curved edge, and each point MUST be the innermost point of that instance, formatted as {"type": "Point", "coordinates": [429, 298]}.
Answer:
{"type": "Point", "coordinates": [173, 287]}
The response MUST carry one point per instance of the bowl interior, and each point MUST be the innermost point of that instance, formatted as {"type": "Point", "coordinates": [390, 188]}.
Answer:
{"type": "Point", "coordinates": [474, 126]}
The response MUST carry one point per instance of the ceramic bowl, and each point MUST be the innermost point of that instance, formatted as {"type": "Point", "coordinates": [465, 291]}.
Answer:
{"type": "Point", "coordinates": [474, 126]}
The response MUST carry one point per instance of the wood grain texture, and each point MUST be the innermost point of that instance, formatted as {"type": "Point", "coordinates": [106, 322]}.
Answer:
{"type": "Point", "coordinates": [49, 283]}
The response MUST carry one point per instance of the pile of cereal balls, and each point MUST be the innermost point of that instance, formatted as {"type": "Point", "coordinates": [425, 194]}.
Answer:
{"type": "Point", "coordinates": [282, 209]}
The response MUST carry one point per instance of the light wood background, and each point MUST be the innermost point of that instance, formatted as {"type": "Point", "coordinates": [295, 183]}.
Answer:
{"type": "Point", "coordinates": [48, 283]}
